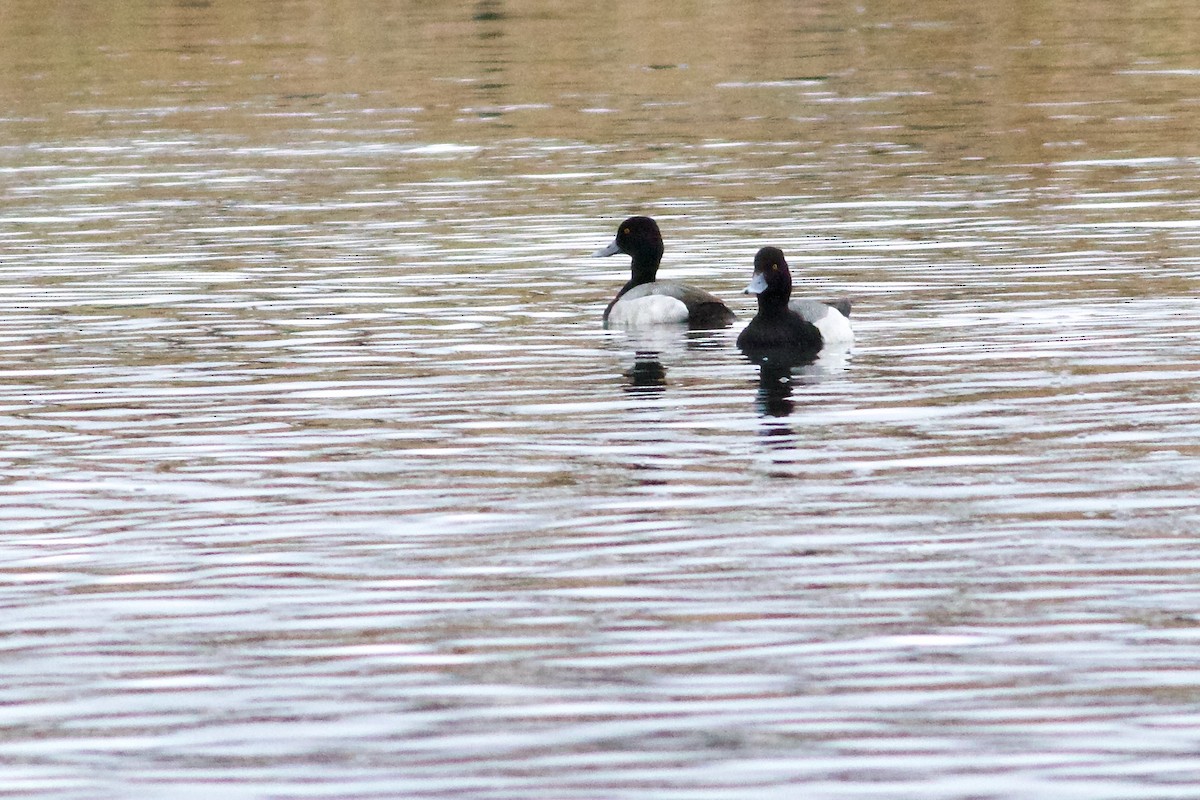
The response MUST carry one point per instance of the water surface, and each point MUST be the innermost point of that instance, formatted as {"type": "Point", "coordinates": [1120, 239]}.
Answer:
{"type": "Point", "coordinates": [322, 479]}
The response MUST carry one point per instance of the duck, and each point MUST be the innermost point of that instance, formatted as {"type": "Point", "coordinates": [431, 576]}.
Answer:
{"type": "Point", "coordinates": [798, 326]}
{"type": "Point", "coordinates": [644, 300]}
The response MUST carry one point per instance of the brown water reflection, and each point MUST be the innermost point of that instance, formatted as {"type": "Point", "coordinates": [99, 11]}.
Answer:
{"type": "Point", "coordinates": [1022, 83]}
{"type": "Point", "coordinates": [322, 479]}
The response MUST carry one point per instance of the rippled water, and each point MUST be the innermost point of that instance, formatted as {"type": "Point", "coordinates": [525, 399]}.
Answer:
{"type": "Point", "coordinates": [322, 479]}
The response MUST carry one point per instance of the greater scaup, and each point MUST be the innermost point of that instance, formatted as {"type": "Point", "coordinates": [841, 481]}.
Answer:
{"type": "Point", "coordinates": [800, 326]}
{"type": "Point", "coordinates": [646, 301]}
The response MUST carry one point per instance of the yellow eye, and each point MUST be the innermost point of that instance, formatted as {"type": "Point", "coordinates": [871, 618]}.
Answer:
{"type": "Point", "coordinates": [774, 268]}
{"type": "Point", "coordinates": [627, 231]}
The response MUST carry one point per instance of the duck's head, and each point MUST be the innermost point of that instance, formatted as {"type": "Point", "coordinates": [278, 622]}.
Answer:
{"type": "Point", "coordinates": [639, 238]}
{"type": "Point", "coordinates": [771, 276]}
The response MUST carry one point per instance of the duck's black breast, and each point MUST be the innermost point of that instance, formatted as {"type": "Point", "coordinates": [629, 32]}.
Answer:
{"type": "Point", "coordinates": [786, 330]}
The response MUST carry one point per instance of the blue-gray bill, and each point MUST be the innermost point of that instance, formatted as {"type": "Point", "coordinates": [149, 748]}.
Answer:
{"type": "Point", "coordinates": [611, 250]}
{"type": "Point", "coordinates": [757, 285]}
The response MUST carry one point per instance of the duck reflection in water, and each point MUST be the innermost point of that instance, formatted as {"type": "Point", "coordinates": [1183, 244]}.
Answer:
{"type": "Point", "coordinates": [780, 373]}
{"type": "Point", "coordinates": [775, 389]}
{"type": "Point", "coordinates": [652, 347]}
{"type": "Point", "coordinates": [647, 377]}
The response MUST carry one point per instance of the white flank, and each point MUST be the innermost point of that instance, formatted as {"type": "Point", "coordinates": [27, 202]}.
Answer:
{"type": "Point", "coordinates": [653, 309]}
{"type": "Point", "coordinates": [834, 328]}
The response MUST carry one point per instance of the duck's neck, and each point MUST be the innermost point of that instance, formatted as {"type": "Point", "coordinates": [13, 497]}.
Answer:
{"type": "Point", "coordinates": [644, 268]}
{"type": "Point", "coordinates": [773, 302]}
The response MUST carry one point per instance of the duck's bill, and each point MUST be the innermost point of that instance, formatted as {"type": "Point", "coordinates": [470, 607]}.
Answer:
{"type": "Point", "coordinates": [757, 285]}
{"type": "Point", "coordinates": [611, 250]}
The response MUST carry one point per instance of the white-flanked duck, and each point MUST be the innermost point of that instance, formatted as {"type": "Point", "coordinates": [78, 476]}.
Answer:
{"type": "Point", "coordinates": [644, 300]}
